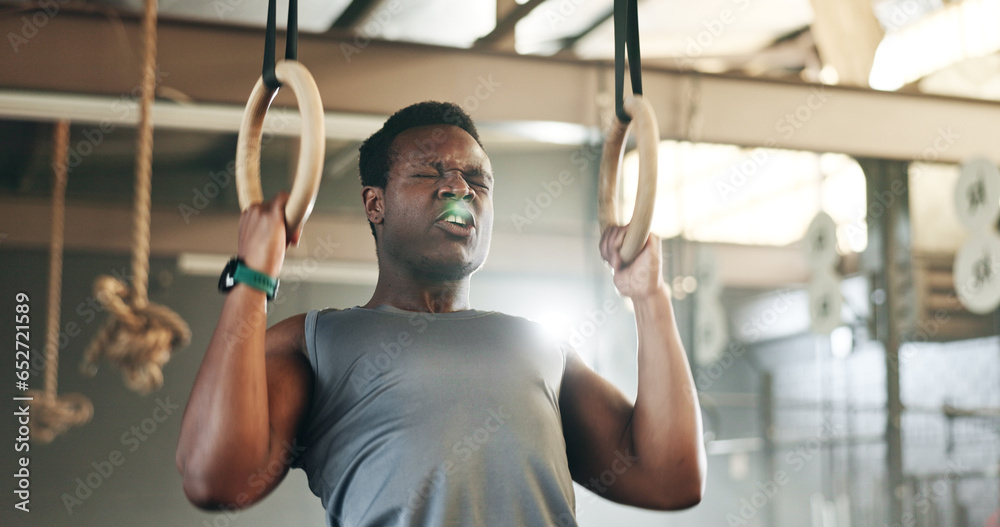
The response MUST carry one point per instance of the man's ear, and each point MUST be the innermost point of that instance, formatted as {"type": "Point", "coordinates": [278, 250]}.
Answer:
{"type": "Point", "coordinates": [374, 200]}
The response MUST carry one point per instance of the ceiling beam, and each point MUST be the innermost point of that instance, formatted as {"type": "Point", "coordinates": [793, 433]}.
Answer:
{"type": "Point", "coordinates": [85, 54]}
{"type": "Point", "coordinates": [505, 26]}
{"type": "Point", "coordinates": [355, 12]}
{"type": "Point", "coordinates": [847, 35]}
{"type": "Point", "coordinates": [567, 43]}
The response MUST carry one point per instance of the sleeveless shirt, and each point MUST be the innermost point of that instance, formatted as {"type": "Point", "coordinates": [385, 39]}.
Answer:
{"type": "Point", "coordinates": [435, 419]}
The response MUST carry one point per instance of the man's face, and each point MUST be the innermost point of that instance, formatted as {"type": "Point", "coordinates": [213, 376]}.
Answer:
{"type": "Point", "coordinates": [437, 203]}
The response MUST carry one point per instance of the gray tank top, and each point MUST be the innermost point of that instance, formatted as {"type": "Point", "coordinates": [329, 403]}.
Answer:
{"type": "Point", "coordinates": [441, 419]}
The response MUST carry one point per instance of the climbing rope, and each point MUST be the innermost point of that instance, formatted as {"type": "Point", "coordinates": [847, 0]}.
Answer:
{"type": "Point", "coordinates": [52, 414]}
{"type": "Point", "coordinates": [138, 336]}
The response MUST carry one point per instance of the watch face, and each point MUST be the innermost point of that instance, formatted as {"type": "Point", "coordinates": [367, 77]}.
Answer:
{"type": "Point", "coordinates": [226, 281]}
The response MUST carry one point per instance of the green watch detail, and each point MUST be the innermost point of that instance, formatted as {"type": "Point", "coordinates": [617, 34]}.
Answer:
{"type": "Point", "coordinates": [236, 271]}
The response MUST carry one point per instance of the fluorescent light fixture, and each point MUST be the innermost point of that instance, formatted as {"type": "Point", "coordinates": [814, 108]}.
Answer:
{"type": "Point", "coordinates": [959, 31]}
{"type": "Point", "coordinates": [294, 269]}
{"type": "Point", "coordinates": [124, 111]}
{"type": "Point", "coordinates": [225, 118]}
{"type": "Point", "coordinates": [551, 132]}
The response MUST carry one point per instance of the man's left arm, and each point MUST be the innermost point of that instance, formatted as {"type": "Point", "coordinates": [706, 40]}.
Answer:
{"type": "Point", "coordinates": [648, 454]}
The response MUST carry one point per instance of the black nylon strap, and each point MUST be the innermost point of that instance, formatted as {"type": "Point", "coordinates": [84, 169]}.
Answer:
{"type": "Point", "coordinates": [626, 35]}
{"type": "Point", "coordinates": [291, 40]}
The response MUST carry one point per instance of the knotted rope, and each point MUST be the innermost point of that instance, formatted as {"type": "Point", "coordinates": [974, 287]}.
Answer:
{"type": "Point", "coordinates": [52, 414]}
{"type": "Point", "coordinates": [138, 336]}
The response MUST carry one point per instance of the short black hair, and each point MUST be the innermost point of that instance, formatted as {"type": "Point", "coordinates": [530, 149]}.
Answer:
{"type": "Point", "coordinates": [376, 152]}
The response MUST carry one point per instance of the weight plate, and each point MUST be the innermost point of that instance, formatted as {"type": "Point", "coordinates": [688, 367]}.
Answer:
{"type": "Point", "coordinates": [821, 242]}
{"type": "Point", "coordinates": [977, 194]}
{"type": "Point", "coordinates": [977, 272]}
{"type": "Point", "coordinates": [824, 302]}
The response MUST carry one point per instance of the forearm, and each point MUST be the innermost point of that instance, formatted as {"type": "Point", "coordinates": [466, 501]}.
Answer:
{"type": "Point", "coordinates": [225, 433]}
{"type": "Point", "coordinates": [666, 429]}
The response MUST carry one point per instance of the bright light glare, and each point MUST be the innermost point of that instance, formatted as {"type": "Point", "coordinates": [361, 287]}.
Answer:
{"type": "Point", "coordinates": [841, 342]}
{"type": "Point", "coordinates": [557, 325]}
{"type": "Point", "coordinates": [843, 197]}
{"type": "Point", "coordinates": [751, 196]}
{"type": "Point", "coordinates": [959, 31]}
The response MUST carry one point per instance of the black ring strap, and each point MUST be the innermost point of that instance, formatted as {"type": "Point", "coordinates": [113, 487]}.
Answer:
{"type": "Point", "coordinates": [626, 35]}
{"type": "Point", "coordinates": [291, 41]}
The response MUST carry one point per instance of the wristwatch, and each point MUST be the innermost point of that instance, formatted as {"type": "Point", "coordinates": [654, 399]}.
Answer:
{"type": "Point", "coordinates": [237, 271]}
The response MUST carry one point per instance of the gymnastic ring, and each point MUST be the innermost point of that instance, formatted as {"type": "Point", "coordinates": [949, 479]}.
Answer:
{"type": "Point", "coordinates": [312, 146]}
{"type": "Point", "coordinates": [647, 137]}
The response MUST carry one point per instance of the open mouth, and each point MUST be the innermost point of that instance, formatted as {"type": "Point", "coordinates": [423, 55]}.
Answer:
{"type": "Point", "coordinates": [458, 214]}
{"type": "Point", "coordinates": [457, 219]}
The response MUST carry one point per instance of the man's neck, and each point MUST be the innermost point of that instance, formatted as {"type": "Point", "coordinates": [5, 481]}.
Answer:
{"type": "Point", "coordinates": [421, 295]}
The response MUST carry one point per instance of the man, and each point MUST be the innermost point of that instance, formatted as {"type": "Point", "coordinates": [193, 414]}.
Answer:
{"type": "Point", "coordinates": [416, 409]}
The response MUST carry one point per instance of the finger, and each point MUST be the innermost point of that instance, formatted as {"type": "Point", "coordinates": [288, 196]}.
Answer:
{"type": "Point", "coordinates": [611, 248]}
{"type": "Point", "coordinates": [292, 238]}
{"type": "Point", "coordinates": [603, 245]}
{"type": "Point", "coordinates": [279, 202]}
{"type": "Point", "coordinates": [617, 243]}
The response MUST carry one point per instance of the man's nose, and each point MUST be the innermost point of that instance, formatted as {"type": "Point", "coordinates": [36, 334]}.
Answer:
{"type": "Point", "coordinates": [454, 186]}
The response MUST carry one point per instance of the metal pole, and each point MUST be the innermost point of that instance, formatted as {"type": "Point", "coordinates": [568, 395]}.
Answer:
{"type": "Point", "coordinates": [888, 260]}
{"type": "Point", "coordinates": [767, 432]}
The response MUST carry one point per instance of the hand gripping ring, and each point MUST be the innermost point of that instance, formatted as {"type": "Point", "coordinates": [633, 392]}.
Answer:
{"type": "Point", "coordinates": [647, 139]}
{"type": "Point", "coordinates": [312, 147]}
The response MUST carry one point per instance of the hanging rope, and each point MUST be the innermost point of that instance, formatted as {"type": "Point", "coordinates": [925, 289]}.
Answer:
{"type": "Point", "coordinates": [144, 159]}
{"type": "Point", "coordinates": [138, 336]}
{"type": "Point", "coordinates": [52, 414]}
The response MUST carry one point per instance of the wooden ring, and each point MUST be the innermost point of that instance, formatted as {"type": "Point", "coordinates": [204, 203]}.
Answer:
{"type": "Point", "coordinates": [647, 137]}
{"type": "Point", "coordinates": [312, 146]}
